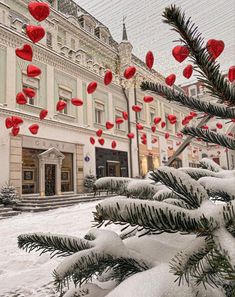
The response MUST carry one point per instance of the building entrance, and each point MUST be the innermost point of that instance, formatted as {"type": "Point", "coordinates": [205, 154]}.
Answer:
{"type": "Point", "coordinates": [50, 179]}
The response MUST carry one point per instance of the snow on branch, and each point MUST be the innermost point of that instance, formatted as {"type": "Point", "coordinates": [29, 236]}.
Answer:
{"type": "Point", "coordinates": [142, 189]}
{"type": "Point", "coordinates": [160, 216]}
{"type": "Point", "coordinates": [189, 190]}
{"type": "Point", "coordinates": [108, 251]}
{"type": "Point", "coordinates": [210, 165]}
{"type": "Point", "coordinates": [210, 136]}
{"type": "Point", "coordinates": [113, 184]}
{"type": "Point", "coordinates": [197, 173]}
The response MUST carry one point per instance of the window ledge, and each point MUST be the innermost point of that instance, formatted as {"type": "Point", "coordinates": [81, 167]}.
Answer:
{"type": "Point", "coordinates": [31, 108]}
{"type": "Point", "coordinates": [64, 117]}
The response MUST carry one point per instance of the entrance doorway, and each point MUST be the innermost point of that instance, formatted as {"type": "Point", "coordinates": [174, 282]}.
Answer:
{"type": "Point", "coordinates": [113, 169]}
{"type": "Point", "coordinates": [50, 179]}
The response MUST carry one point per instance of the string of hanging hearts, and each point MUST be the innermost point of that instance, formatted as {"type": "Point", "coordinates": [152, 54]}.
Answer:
{"type": "Point", "coordinates": [40, 11]}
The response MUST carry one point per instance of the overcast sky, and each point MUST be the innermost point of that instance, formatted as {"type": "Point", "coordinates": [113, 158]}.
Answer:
{"type": "Point", "coordinates": [215, 19]}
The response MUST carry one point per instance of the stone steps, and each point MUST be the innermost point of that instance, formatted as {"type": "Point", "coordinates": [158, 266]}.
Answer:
{"type": "Point", "coordinates": [48, 203]}
{"type": "Point", "coordinates": [7, 212]}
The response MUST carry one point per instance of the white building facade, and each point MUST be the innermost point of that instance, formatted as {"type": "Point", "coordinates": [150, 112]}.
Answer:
{"type": "Point", "coordinates": [76, 50]}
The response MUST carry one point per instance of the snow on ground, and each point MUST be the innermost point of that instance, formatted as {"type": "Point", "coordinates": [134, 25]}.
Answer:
{"type": "Point", "coordinates": [23, 274]}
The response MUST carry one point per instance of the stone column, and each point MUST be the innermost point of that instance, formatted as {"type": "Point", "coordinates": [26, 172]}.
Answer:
{"type": "Point", "coordinates": [58, 177]}
{"type": "Point", "coordinates": [79, 168]}
{"type": "Point", "coordinates": [16, 163]}
{"type": "Point", "coordinates": [41, 178]}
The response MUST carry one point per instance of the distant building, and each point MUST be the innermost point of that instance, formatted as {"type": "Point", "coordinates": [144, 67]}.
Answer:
{"type": "Point", "coordinates": [76, 50]}
{"type": "Point", "coordinates": [222, 156]}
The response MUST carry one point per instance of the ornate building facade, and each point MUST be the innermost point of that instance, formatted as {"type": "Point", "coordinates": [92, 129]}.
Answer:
{"type": "Point", "coordinates": [76, 50]}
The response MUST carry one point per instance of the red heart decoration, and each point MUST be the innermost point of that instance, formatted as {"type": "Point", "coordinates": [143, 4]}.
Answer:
{"type": "Point", "coordinates": [39, 10]}
{"type": "Point", "coordinates": [219, 125]}
{"type": "Point", "coordinates": [148, 99]}
{"type": "Point", "coordinates": [231, 74]}
{"type": "Point", "coordinates": [34, 129]}
{"type": "Point", "coordinates": [188, 71]}
{"type": "Point", "coordinates": [154, 140]}
{"type": "Point", "coordinates": [157, 120]}
{"type": "Point", "coordinates": [35, 33]}
{"type": "Point", "coordinates": [193, 114]}
{"type": "Point", "coordinates": [43, 114]}
{"type": "Point", "coordinates": [129, 72]}
{"type": "Point", "coordinates": [189, 117]}
{"type": "Point", "coordinates": [99, 132]}
{"type": "Point", "coordinates": [130, 135]}
{"type": "Point", "coordinates": [179, 134]}
{"type": "Point", "coordinates": [109, 125]}
{"type": "Point", "coordinates": [21, 99]}
{"type": "Point", "coordinates": [15, 130]}
{"type": "Point", "coordinates": [101, 141]}
{"type": "Point", "coordinates": [76, 101]}
{"type": "Point", "coordinates": [173, 122]}
{"type": "Point", "coordinates": [215, 47]}
{"type": "Point", "coordinates": [119, 120]}
{"type": "Point", "coordinates": [136, 108]}
{"type": "Point", "coordinates": [230, 134]}
{"type": "Point", "coordinates": [17, 121]}
{"type": "Point", "coordinates": [205, 127]}
{"type": "Point", "coordinates": [170, 79]}
{"type": "Point", "coordinates": [149, 59]}
{"type": "Point", "coordinates": [108, 77]}
{"type": "Point", "coordinates": [33, 71]}
{"type": "Point", "coordinates": [92, 140]}
{"type": "Point", "coordinates": [185, 121]}
{"type": "Point", "coordinates": [8, 123]}
{"type": "Point", "coordinates": [29, 92]}
{"type": "Point", "coordinates": [91, 87]}
{"type": "Point", "coordinates": [61, 105]}
{"type": "Point", "coordinates": [171, 117]}
{"type": "Point", "coordinates": [143, 136]}
{"type": "Point", "coordinates": [125, 115]}
{"type": "Point", "coordinates": [144, 141]}
{"type": "Point", "coordinates": [163, 124]}
{"type": "Point", "coordinates": [139, 126]}
{"type": "Point", "coordinates": [180, 53]}
{"type": "Point", "coordinates": [153, 128]}
{"type": "Point", "coordinates": [25, 53]}
{"type": "Point", "coordinates": [167, 135]}
{"type": "Point", "coordinates": [113, 144]}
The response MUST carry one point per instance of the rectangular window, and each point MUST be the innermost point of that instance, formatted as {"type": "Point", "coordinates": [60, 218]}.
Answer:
{"type": "Point", "coordinates": [118, 114]}
{"type": "Point", "coordinates": [49, 39]}
{"type": "Point", "coordinates": [32, 83]}
{"type": "Point", "coordinates": [140, 115]}
{"type": "Point", "coordinates": [73, 44]}
{"type": "Point", "coordinates": [66, 96]}
{"type": "Point", "coordinates": [168, 125]}
{"type": "Point", "coordinates": [152, 116]}
{"type": "Point", "coordinates": [99, 113]}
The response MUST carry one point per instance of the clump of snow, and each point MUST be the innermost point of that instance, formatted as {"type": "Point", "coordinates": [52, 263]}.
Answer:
{"type": "Point", "coordinates": [142, 189]}
{"type": "Point", "coordinates": [210, 165]}
{"type": "Point", "coordinates": [159, 282]}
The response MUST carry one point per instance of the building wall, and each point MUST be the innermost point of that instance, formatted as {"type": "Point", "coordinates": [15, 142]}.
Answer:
{"type": "Point", "coordinates": [71, 57]}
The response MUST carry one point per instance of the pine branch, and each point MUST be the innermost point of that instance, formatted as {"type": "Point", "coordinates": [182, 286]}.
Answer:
{"type": "Point", "coordinates": [177, 202]}
{"type": "Point", "coordinates": [56, 245]}
{"type": "Point", "coordinates": [210, 136]}
{"type": "Point", "coordinates": [208, 68]}
{"type": "Point", "coordinates": [153, 215]}
{"type": "Point", "coordinates": [213, 109]}
{"type": "Point", "coordinates": [190, 191]}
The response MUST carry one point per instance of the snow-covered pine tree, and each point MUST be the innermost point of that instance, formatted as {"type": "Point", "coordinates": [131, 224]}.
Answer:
{"type": "Point", "coordinates": [89, 182]}
{"type": "Point", "coordinates": [190, 205]}
{"type": "Point", "coordinates": [8, 194]}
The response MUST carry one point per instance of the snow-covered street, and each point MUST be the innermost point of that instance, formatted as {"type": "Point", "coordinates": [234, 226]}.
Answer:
{"type": "Point", "coordinates": [23, 274]}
